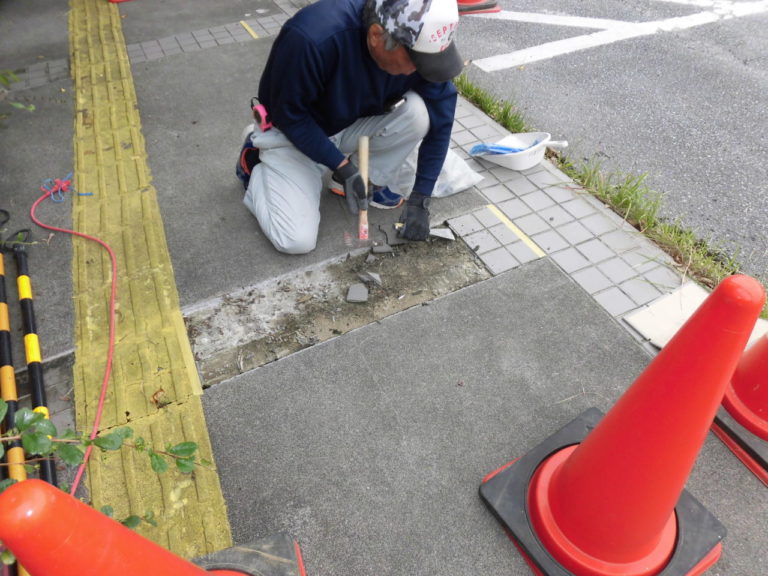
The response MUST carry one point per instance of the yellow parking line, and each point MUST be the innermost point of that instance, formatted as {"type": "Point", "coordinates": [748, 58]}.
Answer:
{"type": "Point", "coordinates": [248, 28]}
{"type": "Point", "coordinates": [519, 233]}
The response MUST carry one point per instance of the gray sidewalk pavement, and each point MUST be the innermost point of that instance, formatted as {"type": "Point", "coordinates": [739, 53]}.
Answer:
{"type": "Point", "coordinates": [370, 448]}
{"type": "Point", "coordinates": [367, 447]}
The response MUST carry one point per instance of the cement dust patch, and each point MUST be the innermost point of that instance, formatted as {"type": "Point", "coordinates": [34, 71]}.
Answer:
{"type": "Point", "coordinates": [659, 321]}
{"type": "Point", "coordinates": [258, 324]}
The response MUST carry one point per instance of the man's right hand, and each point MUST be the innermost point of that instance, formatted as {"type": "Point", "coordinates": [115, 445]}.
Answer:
{"type": "Point", "coordinates": [354, 188]}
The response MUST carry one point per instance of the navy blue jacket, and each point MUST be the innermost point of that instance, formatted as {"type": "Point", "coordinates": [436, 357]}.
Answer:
{"type": "Point", "coordinates": [320, 78]}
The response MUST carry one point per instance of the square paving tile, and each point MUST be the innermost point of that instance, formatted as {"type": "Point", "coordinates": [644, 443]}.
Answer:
{"type": "Point", "coordinates": [595, 251]}
{"type": "Point", "coordinates": [499, 261]}
{"type": "Point", "coordinates": [661, 320]}
{"type": "Point", "coordinates": [481, 241]}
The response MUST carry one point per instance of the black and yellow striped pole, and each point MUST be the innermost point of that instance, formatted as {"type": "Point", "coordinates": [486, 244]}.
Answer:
{"type": "Point", "coordinates": [32, 351]}
{"type": "Point", "coordinates": [14, 454]}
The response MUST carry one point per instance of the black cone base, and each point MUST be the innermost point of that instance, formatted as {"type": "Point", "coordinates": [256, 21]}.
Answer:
{"type": "Point", "coordinates": [505, 493]}
{"type": "Point", "coordinates": [750, 449]}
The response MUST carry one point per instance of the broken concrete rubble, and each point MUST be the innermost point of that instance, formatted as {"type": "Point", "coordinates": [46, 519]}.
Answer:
{"type": "Point", "coordinates": [370, 277]}
{"type": "Point", "coordinates": [357, 293]}
{"type": "Point", "coordinates": [442, 233]}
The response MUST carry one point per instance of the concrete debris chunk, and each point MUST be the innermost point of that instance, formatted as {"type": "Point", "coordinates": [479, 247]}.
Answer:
{"type": "Point", "coordinates": [376, 278]}
{"type": "Point", "coordinates": [382, 249]}
{"type": "Point", "coordinates": [442, 233]}
{"type": "Point", "coordinates": [369, 277]}
{"type": "Point", "coordinates": [357, 293]}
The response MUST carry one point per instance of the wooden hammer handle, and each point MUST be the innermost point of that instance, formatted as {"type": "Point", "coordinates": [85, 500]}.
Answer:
{"type": "Point", "coordinates": [362, 156]}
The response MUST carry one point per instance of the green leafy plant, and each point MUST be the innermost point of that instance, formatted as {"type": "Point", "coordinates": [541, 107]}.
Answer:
{"type": "Point", "coordinates": [41, 440]}
{"type": "Point", "coordinates": [7, 77]}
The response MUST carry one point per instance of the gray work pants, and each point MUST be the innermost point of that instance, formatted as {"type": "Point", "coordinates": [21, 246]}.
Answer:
{"type": "Point", "coordinates": [285, 187]}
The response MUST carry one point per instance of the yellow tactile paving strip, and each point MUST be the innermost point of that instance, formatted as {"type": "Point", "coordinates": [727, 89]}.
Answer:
{"type": "Point", "coordinates": [154, 388]}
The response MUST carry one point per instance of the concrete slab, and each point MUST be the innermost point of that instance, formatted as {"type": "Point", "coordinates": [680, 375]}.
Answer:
{"type": "Point", "coordinates": [371, 455]}
{"type": "Point", "coordinates": [32, 31]}
{"type": "Point", "coordinates": [660, 321]}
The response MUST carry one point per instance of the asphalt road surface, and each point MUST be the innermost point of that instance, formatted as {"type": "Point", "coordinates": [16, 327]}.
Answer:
{"type": "Point", "coordinates": [675, 89]}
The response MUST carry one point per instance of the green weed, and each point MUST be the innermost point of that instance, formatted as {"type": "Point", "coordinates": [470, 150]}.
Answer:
{"type": "Point", "coordinates": [626, 194]}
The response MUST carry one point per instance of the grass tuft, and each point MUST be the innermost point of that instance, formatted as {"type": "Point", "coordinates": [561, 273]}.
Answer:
{"type": "Point", "coordinates": [501, 111]}
{"type": "Point", "coordinates": [626, 194]}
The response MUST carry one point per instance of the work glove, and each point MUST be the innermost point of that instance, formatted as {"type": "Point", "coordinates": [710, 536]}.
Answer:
{"type": "Point", "coordinates": [354, 187]}
{"type": "Point", "coordinates": [415, 217]}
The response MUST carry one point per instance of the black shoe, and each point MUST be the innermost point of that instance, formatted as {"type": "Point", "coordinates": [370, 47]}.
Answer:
{"type": "Point", "coordinates": [381, 196]}
{"type": "Point", "coordinates": [249, 157]}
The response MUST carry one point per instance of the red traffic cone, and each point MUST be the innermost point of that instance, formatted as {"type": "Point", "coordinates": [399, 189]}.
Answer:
{"type": "Point", "coordinates": [607, 506]}
{"type": "Point", "coordinates": [742, 423]}
{"type": "Point", "coordinates": [50, 532]}
{"type": "Point", "coordinates": [746, 397]}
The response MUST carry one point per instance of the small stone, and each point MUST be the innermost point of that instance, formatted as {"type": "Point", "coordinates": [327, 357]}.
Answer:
{"type": "Point", "coordinates": [375, 277]}
{"type": "Point", "coordinates": [357, 293]}
{"type": "Point", "coordinates": [369, 277]}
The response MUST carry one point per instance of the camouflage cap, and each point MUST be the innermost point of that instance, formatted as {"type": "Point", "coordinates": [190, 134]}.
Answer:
{"type": "Point", "coordinates": [427, 29]}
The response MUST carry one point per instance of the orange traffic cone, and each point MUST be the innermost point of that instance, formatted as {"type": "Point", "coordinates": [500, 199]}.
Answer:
{"type": "Point", "coordinates": [746, 398]}
{"type": "Point", "coordinates": [743, 425]}
{"type": "Point", "coordinates": [611, 500]}
{"type": "Point", "coordinates": [50, 532]}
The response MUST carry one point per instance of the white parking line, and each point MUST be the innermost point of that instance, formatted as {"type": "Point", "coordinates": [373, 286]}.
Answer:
{"type": "Point", "coordinates": [697, 3]}
{"type": "Point", "coordinates": [611, 30]}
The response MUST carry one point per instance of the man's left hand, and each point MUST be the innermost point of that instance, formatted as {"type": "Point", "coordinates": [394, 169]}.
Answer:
{"type": "Point", "coordinates": [415, 217]}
